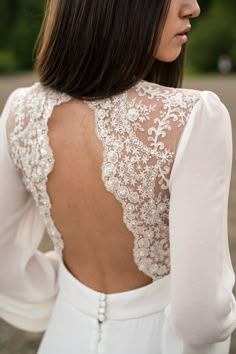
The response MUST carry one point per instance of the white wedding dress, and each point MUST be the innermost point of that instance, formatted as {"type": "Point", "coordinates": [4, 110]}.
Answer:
{"type": "Point", "coordinates": [167, 160]}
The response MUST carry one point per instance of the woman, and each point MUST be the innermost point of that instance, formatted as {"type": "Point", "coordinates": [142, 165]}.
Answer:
{"type": "Point", "coordinates": [131, 179]}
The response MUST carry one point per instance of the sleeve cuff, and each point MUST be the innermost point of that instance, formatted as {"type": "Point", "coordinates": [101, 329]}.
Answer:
{"type": "Point", "coordinates": [27, 317]}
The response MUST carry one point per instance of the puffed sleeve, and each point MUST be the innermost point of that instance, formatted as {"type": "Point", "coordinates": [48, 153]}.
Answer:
{"type": "Point", "coordinates": [202, 304]}
{"type": "Point", "coordinates": [28, 278]}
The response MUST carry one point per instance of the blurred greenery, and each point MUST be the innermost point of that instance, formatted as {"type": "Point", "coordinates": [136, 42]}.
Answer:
{"type": "Point", "coordinates": [212, 36]}
{"type": "Point", "coordinates": [20, 22]}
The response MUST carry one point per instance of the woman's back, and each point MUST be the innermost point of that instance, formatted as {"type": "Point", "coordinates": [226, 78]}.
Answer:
{"type": "Point", "coordinates": [136, 140]}
{"type": "Point", "coordinates": [98, 246]}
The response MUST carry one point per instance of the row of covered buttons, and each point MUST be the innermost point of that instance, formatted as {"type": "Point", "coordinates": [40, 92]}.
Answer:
{"type": "Point", "coordinates": [102, 308]}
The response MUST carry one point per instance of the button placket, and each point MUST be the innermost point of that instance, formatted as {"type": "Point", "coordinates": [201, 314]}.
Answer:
{"type": "Point", "coordinates": [102, 308]}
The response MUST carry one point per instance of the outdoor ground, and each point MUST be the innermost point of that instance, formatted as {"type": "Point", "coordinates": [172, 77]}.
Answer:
{"type": "Point", "coordinates": [13, 341]}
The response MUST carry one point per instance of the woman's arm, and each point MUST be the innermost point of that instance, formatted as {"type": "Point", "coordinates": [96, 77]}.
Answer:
{"type": "Point", "coordinates": [28, 278]}
{"type": "Point", "coordinates": [202, 304]}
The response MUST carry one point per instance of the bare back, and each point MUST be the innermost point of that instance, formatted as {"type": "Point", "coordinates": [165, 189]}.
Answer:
{"type": "Point", "coordinates": [98, 246]}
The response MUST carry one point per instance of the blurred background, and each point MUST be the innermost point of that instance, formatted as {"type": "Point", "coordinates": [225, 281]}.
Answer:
{"type": "Point", "coordinates": [211, 65]}
{"type": "Point", "coordinates": [213, 37]}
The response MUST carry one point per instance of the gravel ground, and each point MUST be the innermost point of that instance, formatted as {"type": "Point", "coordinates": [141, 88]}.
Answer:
{"type": "Point", "coordinates": [13, 341]}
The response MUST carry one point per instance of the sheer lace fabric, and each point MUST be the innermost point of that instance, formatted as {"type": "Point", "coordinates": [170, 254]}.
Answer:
{"type": "Point", "coordinates": [30, 147]}
{"type": "Point", "coordinates": [140, 130]}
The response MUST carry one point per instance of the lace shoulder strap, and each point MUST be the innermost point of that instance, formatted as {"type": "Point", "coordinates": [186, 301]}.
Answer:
{"type": "Point", "coordinates": [29, 144]}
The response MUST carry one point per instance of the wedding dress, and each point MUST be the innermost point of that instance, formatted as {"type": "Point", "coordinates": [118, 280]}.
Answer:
{"type": "Point", "coordinates": [167, 160]}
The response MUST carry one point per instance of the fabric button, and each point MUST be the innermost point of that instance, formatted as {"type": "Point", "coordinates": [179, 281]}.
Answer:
{"type": "Point", "coordinates": [102, 311]}
{"type": "Point", "coordinates": [102, 304]}
{"type": "Point", "coordinates": [102, 297]}
{"type": "Point", "coordinates": [101, 318]}
{"type": "Point", "coordinates": [102, 308]}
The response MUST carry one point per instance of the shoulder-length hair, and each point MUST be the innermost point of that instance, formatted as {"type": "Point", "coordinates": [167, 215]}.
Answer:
{"type": "Point", "coordinates": [98, 48]}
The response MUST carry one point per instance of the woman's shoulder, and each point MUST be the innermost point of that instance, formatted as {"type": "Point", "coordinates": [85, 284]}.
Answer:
{"type": "Point", "coordinates": [23, 91]}
{"type": "Point", "coordinates": [17, 99]}
{"type": "Point", "coordinates": [28, 109]}
{"type": "Point", "coordinates": [148, 88]}
{"type": "Point", "coordinates": [154, 90]}
{"type": "Point", "coordinates": [35, 91]}
{"type": "Point", "coordinates": [182, 98]}
{"type": "Point", "coordinates": [34, 100]}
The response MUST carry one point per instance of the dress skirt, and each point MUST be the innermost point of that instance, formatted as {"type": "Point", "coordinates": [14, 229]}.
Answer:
{"type": "Point", "coordinates": [85, 321]}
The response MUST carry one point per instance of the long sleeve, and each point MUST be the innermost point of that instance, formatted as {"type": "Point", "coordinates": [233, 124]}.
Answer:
{"type": "Point", "coordinates": [202, 304]}
{"type": "Point", "coordinates": [28, 278]}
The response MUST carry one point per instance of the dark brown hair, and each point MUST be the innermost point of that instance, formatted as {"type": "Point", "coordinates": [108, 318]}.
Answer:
{"type": "Point", "coordinates": [98, 48]}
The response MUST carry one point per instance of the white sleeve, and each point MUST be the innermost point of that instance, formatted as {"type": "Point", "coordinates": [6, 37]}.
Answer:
{"type": "Point", "coordinates": [28, 278]}
{"type": "Point", "coordinates": [202, 304]}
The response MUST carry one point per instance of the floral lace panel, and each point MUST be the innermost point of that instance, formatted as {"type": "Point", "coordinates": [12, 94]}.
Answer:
{"type": "Point", "coordinates": [139, 130]}
{"type": "Point", "coordinates": [137, 173]}
{"type": "Point", "coordinates": [30, 148]}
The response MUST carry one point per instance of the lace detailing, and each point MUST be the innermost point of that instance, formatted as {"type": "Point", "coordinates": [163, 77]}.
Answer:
{"type": "Point", "coordinates": [139, 130]}
{"type": "Point", "coordinates": [30, 148]}
{"type": "Point", "coordinates": [138, 173]}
